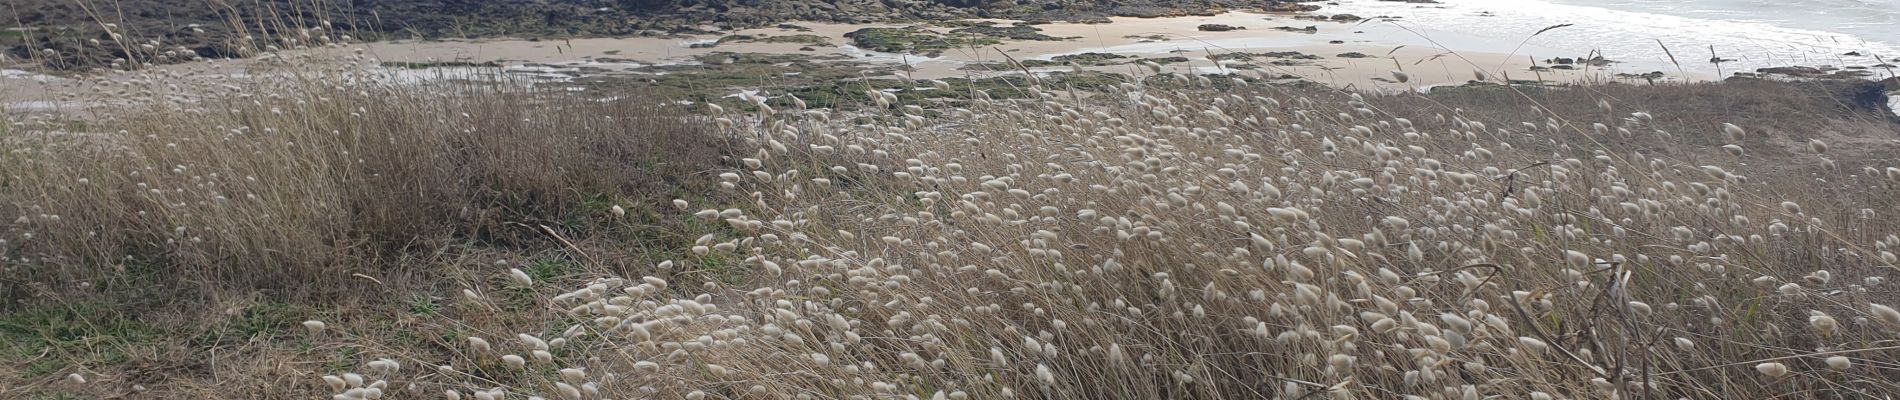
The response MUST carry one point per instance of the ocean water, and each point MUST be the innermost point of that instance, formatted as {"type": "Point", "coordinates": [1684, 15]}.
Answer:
{"type": "Point", "coordinates": [1644, 35]}
{"type": "Point", "coordinates": [1876, 20]}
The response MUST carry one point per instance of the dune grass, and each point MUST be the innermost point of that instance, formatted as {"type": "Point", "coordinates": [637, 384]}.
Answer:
{"type": "Point", "coordinates": [1239, 240]}
{"type": "Point", "coordinates": [282, 190]}
{"type": "Point", "coordinates": [1252, 243]}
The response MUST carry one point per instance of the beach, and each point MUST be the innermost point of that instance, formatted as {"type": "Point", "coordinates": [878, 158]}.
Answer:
{"type": "Point", "coordinates": [1362, 45]}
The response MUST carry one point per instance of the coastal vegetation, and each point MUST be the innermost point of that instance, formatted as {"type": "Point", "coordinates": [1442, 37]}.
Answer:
{"type": "Point", "coordinates": [807, 225]}
{"type": "Point", "coordinates": [1170, 236]}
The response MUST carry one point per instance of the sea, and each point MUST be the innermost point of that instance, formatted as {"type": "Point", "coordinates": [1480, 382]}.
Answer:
{"type": "Point", "coordinates": [1672, 36]}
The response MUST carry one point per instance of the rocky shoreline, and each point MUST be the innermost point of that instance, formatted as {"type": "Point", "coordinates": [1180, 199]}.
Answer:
{"type": "Point", "coordinates": [65, 36]}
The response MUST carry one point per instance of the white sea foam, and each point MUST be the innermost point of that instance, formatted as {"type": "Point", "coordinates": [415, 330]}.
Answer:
{"type": "Point", "coordinates": [1636, 31]}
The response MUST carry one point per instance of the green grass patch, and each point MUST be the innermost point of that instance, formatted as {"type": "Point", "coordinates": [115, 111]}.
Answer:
{"type": "Point", "coordinates": [546, 269]}
{"type": "Point", "coordinates": [49, 338]}
{"type": "Point", "coordinates": [424, 305]}
{"type": "Point", "coordinates": [344, 359]}
{"type": "Point", "coordinates": [269, 319]}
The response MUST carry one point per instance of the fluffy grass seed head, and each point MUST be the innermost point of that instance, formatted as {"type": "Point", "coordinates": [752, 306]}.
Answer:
{"type": "Point", "coordinates": [1884, 313]}
{"type": "Point", "coordinates": [1733, 133]}
{"type": "Point", "coordinates": [520, 278]}
{"type": "Point", "coordinates": [1772, 369]}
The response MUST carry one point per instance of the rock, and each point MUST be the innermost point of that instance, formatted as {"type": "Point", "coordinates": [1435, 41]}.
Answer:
{"type": "Point", "coordinates": [1237, 56]}
{"type": "Point", "coordinates": [1091, 59]}
{"type": "Point", "coordinates": [1308, 29]}
{"type": "Point", "coordinates": [1651, 76]}
{"type": "Point", "coordinates": [1147, 12]}
{"type": "Point", "coordinates": [1353, 54]}
{"type": "Point", "coordinates": [1291, 54]}
{"type": "Point", "coordinates": [1290, 7]}
{"type": "Point", "coordinates": [1017, 32]}
{"type": "Point", "coordinates": [1220, 28]}
{"type": "Point", "coordinates": [1594, 61]}
{"type": "Point", "coordinates": [1345, 18]}
{"type": "Point", "coordinates": [1824, 72]}
{"type": "Point", "coordinates": [1866, 95]}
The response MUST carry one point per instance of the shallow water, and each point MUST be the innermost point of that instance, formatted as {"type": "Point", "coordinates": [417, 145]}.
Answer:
{"type": "Point", "coordinates": [1873, 20]}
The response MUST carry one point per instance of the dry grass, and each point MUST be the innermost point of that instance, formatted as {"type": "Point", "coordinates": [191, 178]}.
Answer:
{"type": "Point", "coordinates": [1254, 243]}
{"type": "Point", "coordinates": [279, 189]}
{"type": "Point", "coordinates": [169, 240]}
{"type": "Point", "coordinates": [1249, 242]}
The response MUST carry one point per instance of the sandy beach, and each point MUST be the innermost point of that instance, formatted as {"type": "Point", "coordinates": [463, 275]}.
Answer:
{"type": "Point", "coordinates": [1366, 64]}
{"type": "Point", "coordinates": [1362, 52]}
{"type": "Point", "coordinates": [1138, 37]}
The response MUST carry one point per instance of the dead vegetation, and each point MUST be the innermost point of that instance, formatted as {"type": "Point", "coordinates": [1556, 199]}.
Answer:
{"type": "Point", "coordinates": [1248, 241]}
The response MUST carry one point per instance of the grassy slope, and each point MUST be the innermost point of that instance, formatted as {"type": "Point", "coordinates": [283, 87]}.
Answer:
{"type": "Point", "coordinates": [375, 199]}
{"type": "Point", "coordinates": [427, 219]}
